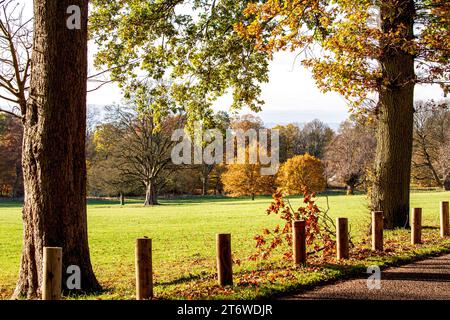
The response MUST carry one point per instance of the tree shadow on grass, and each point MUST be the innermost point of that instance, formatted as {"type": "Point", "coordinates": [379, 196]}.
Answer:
{"type": "Point", "coordinates": [430, 228]}
{"type": "Point", "coordinates": [87, 294]}
{"type": "Point", "coordinates": [6, 203]}
{"type": "Point", "coordinates": [191, 277]}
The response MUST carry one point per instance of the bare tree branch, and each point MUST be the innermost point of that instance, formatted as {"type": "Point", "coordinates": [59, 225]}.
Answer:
{"type": "Point", "coordinates": [10, 113]}
{"type": "Point", "coordinates": [15, 54]}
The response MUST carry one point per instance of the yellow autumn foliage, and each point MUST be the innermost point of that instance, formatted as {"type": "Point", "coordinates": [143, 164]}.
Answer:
{"type": "Point", "coordinates": [246, 180]}
{"type": "Point", "coordinates": [300, 172]}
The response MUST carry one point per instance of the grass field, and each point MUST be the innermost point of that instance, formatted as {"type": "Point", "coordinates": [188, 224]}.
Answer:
{"type": "Point", "coordinates": [183, 233]}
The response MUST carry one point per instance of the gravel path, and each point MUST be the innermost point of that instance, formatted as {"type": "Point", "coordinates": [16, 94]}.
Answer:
{"type": "Point", "coordinates": [425, 280]}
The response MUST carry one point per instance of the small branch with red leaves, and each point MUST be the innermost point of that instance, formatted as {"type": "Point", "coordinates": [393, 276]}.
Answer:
{"type": "Point", "coordinates": [319, 233]}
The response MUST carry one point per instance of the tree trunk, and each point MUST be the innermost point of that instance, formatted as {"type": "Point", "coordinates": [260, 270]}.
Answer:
{"type": "Point", "coordinates": [154, 195]}
{"type": "Point", "coordinates": [204, 186]}
{"type": "Point", "coordinates": [151, 195]}
{"type": "Point", "coordinates": [18, 185]}
{"type": "Point", "coordinates": [446, 184]}
{"type": "Point", "coordinates": [350, 190]}
{"type": "Point", "coordinates": [429, 164]}
{"type": "Point", "coordinates": [122, 199]}
{"type": "Point", "coordinates": [253, 196]}
{"type": "Point", "coordinates": [206, 171]}
{"type": "Point", "coordinates": [54, 166]}
{"type": "Point", "coordinates": [390, 191]}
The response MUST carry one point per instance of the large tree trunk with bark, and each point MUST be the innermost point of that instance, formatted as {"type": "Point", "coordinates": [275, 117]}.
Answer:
{"type": "Point", "coordinates": [391, 188]}
{"type": "Point", "coordinates": [54, 165]}
{"type": "Point", "coordinates": [151, 195]}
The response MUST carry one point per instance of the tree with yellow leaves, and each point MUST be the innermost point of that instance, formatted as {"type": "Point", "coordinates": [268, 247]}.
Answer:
{"type": "Point", "coordinates": [245, 179]}
{"type": "Point", "coordinates": [302, 172]}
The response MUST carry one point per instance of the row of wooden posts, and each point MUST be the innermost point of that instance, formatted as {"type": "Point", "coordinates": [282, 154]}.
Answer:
{"type": "Point", "coordinates": [144, 270]}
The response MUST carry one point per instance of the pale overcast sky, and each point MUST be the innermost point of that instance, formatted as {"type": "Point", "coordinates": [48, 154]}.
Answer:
{"type": "Point", "coordinates": [291, 94]}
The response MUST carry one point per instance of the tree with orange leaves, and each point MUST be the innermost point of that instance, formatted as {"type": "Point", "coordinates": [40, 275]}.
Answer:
{"type": "Point", "coordinates": [246, 179]}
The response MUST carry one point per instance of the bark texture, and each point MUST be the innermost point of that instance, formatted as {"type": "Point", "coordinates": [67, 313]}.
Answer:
{"type": "Point", "coordinates": [390, 192]}
{"type": "Point", "coordinates": [151, 195]}
{"type": "Point", "coordinates": [54, 212]}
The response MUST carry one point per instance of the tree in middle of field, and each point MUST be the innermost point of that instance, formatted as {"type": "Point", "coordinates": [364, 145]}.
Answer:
{"type": "Point", "coordinates": [136, 147]}
{"type": "Point", "coordinates": [220, 121]}
{"type": "Point", "coordinates": [301, 172]}
{"type": "Point", "coordinates": [246, 179]}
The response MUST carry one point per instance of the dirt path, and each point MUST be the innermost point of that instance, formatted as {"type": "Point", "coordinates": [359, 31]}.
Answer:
{"type": "Point", "coordinates": [428, 279]}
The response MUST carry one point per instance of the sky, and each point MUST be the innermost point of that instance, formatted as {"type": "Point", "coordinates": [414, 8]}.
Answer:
{"type": "Point", "coordinates": [290, 96]}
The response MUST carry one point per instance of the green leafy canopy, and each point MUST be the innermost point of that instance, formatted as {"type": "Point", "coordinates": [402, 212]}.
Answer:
{"type": "Point", "coordinates": [189, 50]}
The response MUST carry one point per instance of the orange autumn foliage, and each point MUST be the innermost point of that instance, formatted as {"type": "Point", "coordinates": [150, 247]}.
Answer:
{"type": "Point", "coordinates": [246, 180]}
{"type": "Point", "coordinates": [320, 230]}
{"type": "Point", "coordinates": [353, 36]}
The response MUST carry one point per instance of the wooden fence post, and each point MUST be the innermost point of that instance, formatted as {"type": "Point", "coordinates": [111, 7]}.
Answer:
{"type": "Point", "coordinates": [144, 269]}
{"type": "Point", "coordinates": [52, 277]}
{"type": "Point", "coordinates": [224, 260]}
{"type": "Point", "coordinates": [299, 242]}
{"type": "Point", "coordinates": [444, 219]}
{"type": "Point", "coordinates": [342, 238]}
{"type": "Point", "coordinates": [377, 230]}
{"type": "Point", "coordinates": [416, 228]}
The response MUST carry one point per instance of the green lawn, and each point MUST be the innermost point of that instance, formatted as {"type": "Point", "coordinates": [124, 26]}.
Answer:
{"type": "Point", "coordinates": [183, 233]}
